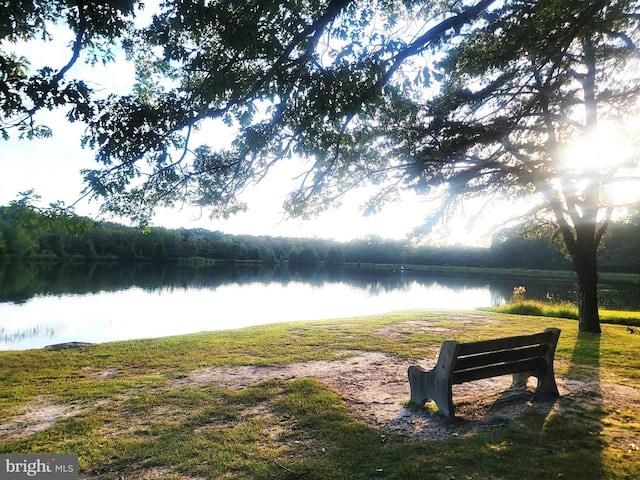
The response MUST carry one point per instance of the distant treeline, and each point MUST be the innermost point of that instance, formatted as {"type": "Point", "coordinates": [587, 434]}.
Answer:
{"type": "Point", "coordinates": [30, 234]}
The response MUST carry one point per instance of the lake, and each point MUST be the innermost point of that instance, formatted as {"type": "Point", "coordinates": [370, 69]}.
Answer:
{"type": "Point", "coordinates": [47, 304]}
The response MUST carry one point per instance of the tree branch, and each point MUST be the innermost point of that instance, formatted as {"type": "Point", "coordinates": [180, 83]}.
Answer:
{"type": "Point", "coordinates": [77, 44]}
{"type": "Point", "coordinates": [435, 34]}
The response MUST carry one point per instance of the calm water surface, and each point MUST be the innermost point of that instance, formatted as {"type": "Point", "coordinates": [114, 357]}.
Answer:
{"type": "Point", "coordinates": [52, 304]}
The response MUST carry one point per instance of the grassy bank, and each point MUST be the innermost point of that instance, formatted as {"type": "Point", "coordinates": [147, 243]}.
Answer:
{"type": "Point", "coordinates": [564, 310]}
{"type": "Point", "coordinates": [131, 409]}
{"type": "Point", "coordinates": [516, 272]}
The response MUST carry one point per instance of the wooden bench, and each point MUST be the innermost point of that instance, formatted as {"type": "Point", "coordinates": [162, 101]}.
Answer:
{"type": "Point", "coordinates": [523, 356]}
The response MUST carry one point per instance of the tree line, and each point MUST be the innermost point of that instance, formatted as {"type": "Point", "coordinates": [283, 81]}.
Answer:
{"type": "Point", "coordinates": [27, 234]}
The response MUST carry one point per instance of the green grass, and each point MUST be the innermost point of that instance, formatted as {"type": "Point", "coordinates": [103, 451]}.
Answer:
{"type": "Point", "coordinates": [564, 310]}
{"type": "Point", "coordinates": [538, 308]}
{"type": "Point", "coordinates": [137, 414]}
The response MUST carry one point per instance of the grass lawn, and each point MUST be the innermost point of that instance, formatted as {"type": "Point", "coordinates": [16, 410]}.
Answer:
{"type": "Point", "coordinates": [564, 310]}
{"type": "Point", "coordinates": [132, 410]}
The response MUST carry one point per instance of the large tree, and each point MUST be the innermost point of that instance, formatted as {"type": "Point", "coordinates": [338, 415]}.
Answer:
{"type": "Point", "coordinates": [457, 97]}
{"type": "Point", "coordinates": [527, 106]}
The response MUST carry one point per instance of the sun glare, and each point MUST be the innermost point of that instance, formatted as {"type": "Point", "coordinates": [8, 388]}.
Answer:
{"type": "Point", "coordinates": [610, 148]}
{"type": "Point", "coordinates": [610, 155]}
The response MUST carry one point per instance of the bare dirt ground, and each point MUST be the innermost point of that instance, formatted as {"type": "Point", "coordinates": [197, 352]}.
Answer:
{"type": "Point", "coordinates": [375, 389]}
{"type": "Point", "coordinates": [36, 416]}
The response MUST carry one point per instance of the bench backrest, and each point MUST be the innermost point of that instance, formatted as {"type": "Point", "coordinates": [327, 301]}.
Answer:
{"type": "Point", "coordinates": [492, 358]}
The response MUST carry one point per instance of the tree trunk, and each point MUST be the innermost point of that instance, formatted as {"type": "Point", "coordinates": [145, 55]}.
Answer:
{"type": "Point", "coordinates": [586, 268]}
{"type": "Point", "coordinates": [585, 224]}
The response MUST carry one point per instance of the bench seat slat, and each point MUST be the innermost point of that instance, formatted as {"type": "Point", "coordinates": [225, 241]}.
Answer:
{"type": "Point", "coordinates": [472, 348]}
{"type": "Point", "coordinates": [503, 356]}
{"type": "Point", "coordinates": [495, 370]}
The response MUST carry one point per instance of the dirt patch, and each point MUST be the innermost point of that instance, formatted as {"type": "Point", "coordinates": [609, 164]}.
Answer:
{"type": "Point", "coordinates": [101, 374]}
{"type": "Point", "coordinates": [156, 473]}
{"type": "Point", "coordinates": [396, 332]}
{"type": "Point", "coordinates": [36, 416]}
{"type": "Point", "coordinates": [375, 388]}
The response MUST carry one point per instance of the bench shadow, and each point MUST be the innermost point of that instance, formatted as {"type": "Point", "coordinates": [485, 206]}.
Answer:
{"type": "Point", "coordinates": [584, 408]}
{"type": "Point", "coordinates": [547, 420]}
{"type": "Point", "coordinates": [585, 366]}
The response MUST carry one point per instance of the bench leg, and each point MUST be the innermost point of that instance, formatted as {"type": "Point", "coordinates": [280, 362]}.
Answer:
{"type": "Point", "coordinates": [546, 377]}
{"type": "Point", "coordinates": [426, 385]}
{"type": "Point", "coordinates": [418, 384]}
{"type": "Point", "coordinates": [547, 386]}
{"type": "Point", "coordinates": [520, 379]}
{"type": "Point", "coordinates": [546, 382]}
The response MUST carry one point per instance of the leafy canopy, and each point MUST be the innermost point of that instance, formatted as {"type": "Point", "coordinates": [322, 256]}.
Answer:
{"type": "Point", "coordinates": [293, 79]}
{"type": "Point", "coordinates": [477, 96]}
{"type": "Point", "coordinates": [95, 26]}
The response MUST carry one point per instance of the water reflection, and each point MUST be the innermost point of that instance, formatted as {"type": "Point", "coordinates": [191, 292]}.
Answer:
{"type": "Point", "coordinates": [45, 304]}
{"type": "Point", "coordinates": [19, 283]}
{"type": "Point", "coordinates": [39, 331]}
